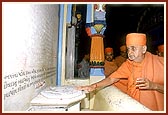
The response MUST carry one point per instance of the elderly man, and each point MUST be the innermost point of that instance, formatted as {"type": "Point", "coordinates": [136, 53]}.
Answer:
{"type": "Point", "coordinates": [144, 71]}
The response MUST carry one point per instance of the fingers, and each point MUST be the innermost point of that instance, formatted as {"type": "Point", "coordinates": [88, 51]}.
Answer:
{"type": "Point", "coordinates": [86, 89]}
{"type": "Point", "coordinates": [81, 87]}
{"type": "Point", "coordinates": [142, 83]}
{"type": "Point", "coordinates": [142, 86]}
{"type": "Point", "coordinates": [140, 79]}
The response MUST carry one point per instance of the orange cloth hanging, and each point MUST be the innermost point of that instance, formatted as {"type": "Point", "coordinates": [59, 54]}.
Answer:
{"type": "Point", "coordinates": [97, 48]}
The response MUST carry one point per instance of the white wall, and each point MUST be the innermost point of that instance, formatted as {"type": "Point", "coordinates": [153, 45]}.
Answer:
{"type": "Point", "coordinates": [30, 34]}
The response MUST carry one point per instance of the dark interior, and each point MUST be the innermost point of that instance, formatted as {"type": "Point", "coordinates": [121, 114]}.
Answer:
{"type": "Point", "coordinates": [125, 18]}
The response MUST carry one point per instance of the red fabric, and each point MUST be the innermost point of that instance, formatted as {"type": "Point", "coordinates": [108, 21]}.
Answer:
{"type": "Point", "coordinates": [88, 31]}
{"type": "Point", "coordinates": [152, 68]}
{"type": "Point", "coordinates": [108, 50]}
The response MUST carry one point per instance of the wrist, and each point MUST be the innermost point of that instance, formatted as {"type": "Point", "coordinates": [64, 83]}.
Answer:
{"type": "Point", "coordinates": [95, 86]}
{"type": "Point", "coordinates": [155, 86]}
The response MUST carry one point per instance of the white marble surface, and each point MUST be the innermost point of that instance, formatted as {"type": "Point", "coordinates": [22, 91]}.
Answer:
{"type": "Point", "coordinates": [66, 95]}
{"type": "Point", "coordinates": [61, 92]}
{"type": "Point", "coordinates": [30, 35]}
{"type": "Point", "coordinates": [112, 99]}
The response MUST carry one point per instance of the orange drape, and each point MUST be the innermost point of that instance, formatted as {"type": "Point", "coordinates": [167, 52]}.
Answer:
{"type": "Point", "coordinates": [110, 67]}
{"type": "Point", "coordinates": [97, 48]}
{"type": "Point", "coordinates": [122, 85]}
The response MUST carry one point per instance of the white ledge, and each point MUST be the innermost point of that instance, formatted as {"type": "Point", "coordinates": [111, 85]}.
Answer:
{"type": "Point", "coordinates": [112, 99]}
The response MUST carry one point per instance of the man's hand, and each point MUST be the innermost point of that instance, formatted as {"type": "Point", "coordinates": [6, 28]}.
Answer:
{"type": "Point", "coordinates": [144, 83]}
{"type": "Point", "coordinates": [88, 88]}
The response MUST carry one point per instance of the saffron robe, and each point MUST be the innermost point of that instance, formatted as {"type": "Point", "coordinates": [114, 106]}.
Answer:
{"type": "Point", "coordinates": [152, 67]}
{"type": "Point", "coordinates": [110, 67]}
{"type": "Point", "coordinates": [122, 84]}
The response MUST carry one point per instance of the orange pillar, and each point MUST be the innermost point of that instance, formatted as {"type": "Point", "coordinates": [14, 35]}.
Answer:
{"type": "Point", "coordinates": [97, 50]}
